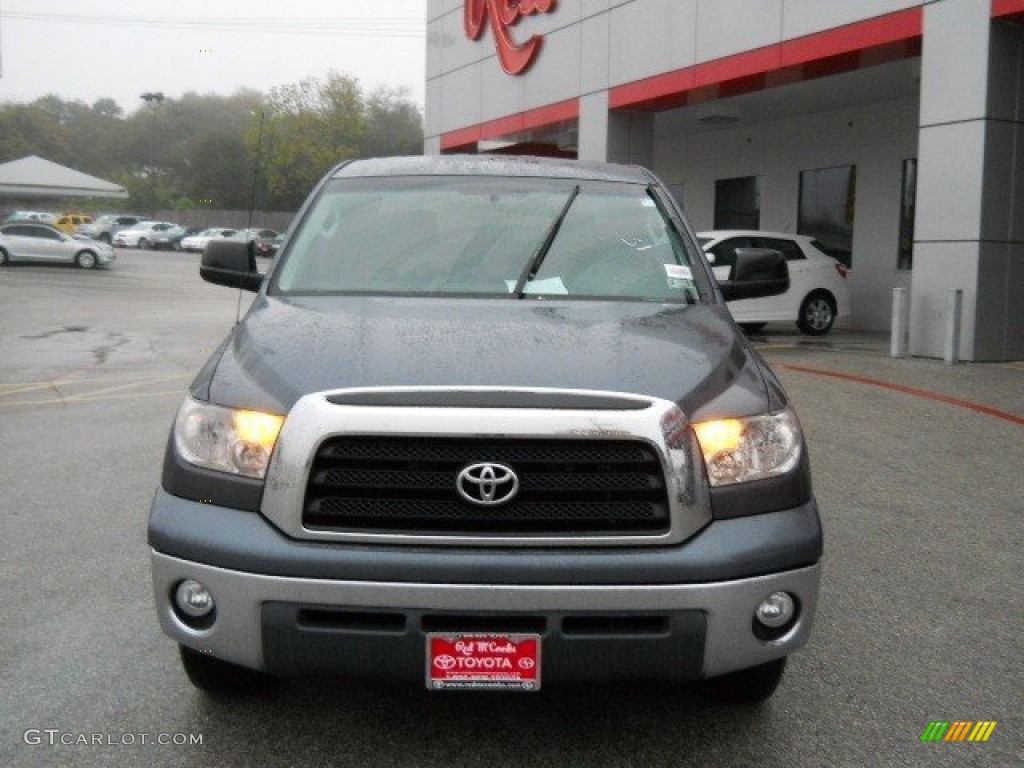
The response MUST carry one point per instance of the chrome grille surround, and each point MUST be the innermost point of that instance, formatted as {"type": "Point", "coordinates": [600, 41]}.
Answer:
{"type": "Point", "coordinates": [619, 417]}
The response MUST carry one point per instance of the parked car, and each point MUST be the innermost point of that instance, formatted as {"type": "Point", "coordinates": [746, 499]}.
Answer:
{"type": "Point", "coordinates": [38, 216]}
{"type": "Point", "coordinates": [142, 234]}
{"type": "Point", "coordinates": [106, 226]}
{"type": "Point", "coordinates": [268, 248]}
{"type": "Point", "coordinates": [198, 242]}
{"type": "Point", "coordinates": [29, 241]}
{"type": "Point", "coordinates": [488, 424]}
{"type": "Point", "coordinates": [68, 222]}
{"type": "Point", "coordinates": [260, 238]}
{"type": "Point", "coordinates": [170, 239]}
{"type": "Point", "coordinates": [818, 291]}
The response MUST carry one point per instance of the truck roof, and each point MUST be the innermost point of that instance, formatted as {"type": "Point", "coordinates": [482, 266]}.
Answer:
{"type": "Point", "coordinates": [492, 165]}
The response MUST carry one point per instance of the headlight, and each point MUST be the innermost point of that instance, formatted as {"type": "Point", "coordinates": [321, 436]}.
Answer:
{"type": "Point", "coordinates": [740, 450]}
{"type": "Point", "coordinates": [226, 439]}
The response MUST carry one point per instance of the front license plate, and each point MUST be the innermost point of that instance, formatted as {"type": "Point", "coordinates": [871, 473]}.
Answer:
{"type": "Point", "coordinates": [481, 662]}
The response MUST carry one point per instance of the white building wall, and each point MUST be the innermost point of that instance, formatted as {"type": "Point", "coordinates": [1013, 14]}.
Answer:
{"type": "Point", "coordinates": [877, 138]}
{"type": "Point", "coordinates": [590, 45]}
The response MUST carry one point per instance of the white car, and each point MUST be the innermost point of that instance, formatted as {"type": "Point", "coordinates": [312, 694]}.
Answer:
{"type": "Point", "coordinates": [818, 290]}
{"type": "Point", "coordinates": [142, 235]}
{"type": "Point", "coordinates": [198, 242]}
{"type": "Point", "coordinates": [29, 241]}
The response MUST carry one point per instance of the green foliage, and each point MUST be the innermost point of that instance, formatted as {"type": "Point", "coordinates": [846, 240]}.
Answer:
{"type": "Point", "coordinates": [307, 128]}
{"type": "Point", "coordinates": [206, 150]}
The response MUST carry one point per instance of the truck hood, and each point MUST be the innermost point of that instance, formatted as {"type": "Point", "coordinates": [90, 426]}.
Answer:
{"type": "Point", "coordinates": [286, 348]}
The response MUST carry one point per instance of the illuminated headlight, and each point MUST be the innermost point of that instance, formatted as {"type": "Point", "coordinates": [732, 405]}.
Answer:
{"type": "Point", "coordinates": [740, 450]}
{"type": "Point", "coordinates": [226, 439]}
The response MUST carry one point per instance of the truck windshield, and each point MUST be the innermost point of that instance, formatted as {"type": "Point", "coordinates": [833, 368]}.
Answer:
{"type": "Point", "coordinates": [475, 236]}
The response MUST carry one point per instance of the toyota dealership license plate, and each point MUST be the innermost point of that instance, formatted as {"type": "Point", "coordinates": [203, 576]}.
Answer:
{"type": "Point", "coordinates": [483, 662]}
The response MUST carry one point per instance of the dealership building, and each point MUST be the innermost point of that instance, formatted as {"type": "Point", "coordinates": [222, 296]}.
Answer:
{"type": "Point", "coordinates": [891, 130]}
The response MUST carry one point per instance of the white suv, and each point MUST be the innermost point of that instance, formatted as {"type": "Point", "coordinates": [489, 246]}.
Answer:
{"type": "Point", "coordinates": [142, 235]}
{"type": "Point", "coordinates": [818, 290]}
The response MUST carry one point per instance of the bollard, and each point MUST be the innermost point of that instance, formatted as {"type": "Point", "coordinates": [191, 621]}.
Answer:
{"type": "Point", "coordinates": [900, 322]}
{"type": "Point", "coordinates": [954, 309]}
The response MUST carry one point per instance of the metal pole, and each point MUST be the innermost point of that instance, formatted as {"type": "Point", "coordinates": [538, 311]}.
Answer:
{"type": "Point", "coordinates": [900, 322]}
{"type": "Point", "coordinates": [256, 168]}
{"type": "Point", "coordinates": [954, 310]}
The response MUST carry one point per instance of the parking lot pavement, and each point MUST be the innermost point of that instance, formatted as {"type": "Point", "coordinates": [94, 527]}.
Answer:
{"type": "Point", "coordinates": [920, 617]}
{"type": "Point", "coordinates": [864, 357]}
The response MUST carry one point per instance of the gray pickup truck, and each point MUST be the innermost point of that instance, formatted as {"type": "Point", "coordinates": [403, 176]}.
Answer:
{"type": "Point", "coordinates": [488, 424]}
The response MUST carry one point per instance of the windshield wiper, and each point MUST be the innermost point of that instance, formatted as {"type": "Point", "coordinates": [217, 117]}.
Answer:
{"type": "Point", "coordinates": [533, 265]}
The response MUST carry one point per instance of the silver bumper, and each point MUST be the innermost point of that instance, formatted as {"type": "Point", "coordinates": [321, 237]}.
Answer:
{"type": "Point", "coordinates": [236, 634]}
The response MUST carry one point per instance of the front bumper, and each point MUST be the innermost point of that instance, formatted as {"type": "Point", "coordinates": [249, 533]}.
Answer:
{"type": "Point", "coordinates": [680, 612]}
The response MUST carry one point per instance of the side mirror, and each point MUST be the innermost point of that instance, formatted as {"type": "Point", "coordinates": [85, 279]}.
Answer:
{"type": "Point", "coordinates": [231, 263]}
{"type": "Point", "coordinates": [758, 272]}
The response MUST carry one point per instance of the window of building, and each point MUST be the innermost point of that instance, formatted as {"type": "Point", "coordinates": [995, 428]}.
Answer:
{"type": "Point", "coordinates": [827, 198]}
{"type": "Point", "coordinates": [738, 203]}
{"type": "Point", "coordinates": [908, 198]}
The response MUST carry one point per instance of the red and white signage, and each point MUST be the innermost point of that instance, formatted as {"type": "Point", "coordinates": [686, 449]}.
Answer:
{"type": "Point", "coordinates": [483, 662]}
{"type": "Point", "coordinates": [515, 57]}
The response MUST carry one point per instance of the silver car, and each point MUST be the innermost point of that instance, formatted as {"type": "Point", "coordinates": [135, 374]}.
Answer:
{"type": "Point", "coordinates": [26, 241]}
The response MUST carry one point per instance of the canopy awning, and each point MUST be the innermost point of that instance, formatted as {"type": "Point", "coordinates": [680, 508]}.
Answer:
{"type": "Point", "coordinates": [35, 177]}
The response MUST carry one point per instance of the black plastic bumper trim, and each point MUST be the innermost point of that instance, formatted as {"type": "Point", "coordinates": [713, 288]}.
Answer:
{"type": "Point", "coordinates": [675, 652]}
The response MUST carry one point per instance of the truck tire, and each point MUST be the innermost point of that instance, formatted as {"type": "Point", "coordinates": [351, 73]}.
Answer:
{"type": "Point", "coordinates": [218, 677]}
{"type": "Point", "coordinates": [748, 686]}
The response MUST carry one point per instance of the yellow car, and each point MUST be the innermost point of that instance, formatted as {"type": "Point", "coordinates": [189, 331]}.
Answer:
{"type": "Point", "coordinates": [68, 221]}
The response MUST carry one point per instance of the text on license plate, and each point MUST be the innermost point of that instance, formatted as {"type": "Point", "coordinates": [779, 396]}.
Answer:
{"type": "Point", "coordinates": [477, 661]}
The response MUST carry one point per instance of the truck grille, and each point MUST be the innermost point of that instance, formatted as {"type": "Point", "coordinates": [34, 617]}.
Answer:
{"type": "Point", "coordinates": [408, 485]}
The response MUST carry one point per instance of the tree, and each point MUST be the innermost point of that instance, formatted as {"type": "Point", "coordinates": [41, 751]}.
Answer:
{"type": "Point", "coordinates": [27, 129]}
{"type": "Point", "coordinates": [222, 171]}
{"type": "Point", "coordinates": [394, 125]}
{"type": "Point", "coordinates": [309, 126]}
{"type": "Point", "coordinates": [231, 150]}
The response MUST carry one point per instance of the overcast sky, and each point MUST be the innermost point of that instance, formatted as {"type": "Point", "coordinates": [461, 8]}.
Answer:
{"type": "Point", "coordinates": [89, 49]}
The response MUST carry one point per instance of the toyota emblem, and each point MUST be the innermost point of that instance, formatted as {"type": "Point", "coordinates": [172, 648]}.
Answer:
{"type": "Point", "coordinates": [487, 484]}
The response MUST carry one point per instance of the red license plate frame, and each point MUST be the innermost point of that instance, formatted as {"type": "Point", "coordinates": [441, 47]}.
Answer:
{"type": "Point", "coordinates": [483, 661]}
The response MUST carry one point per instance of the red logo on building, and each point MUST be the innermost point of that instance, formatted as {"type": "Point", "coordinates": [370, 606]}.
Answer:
{"type": "Point", "coordinates": [503, 14]}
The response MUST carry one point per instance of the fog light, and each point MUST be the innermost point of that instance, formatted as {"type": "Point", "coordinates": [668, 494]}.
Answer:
{"type": "Point", "coordinates": [193, 599]}
{"type": "Point", "coordinates": [776, 610]}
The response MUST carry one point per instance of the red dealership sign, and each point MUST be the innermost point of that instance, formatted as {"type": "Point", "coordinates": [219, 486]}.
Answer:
{"type": "Point", "coordinates": [504, 14]}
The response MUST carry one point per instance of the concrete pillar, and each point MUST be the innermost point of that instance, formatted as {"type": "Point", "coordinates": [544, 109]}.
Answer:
{"type": "Point", "coordinates": [969, 228]}
{"type": "Point", "coordinates": [614, 137]}
{"type": "Point", "coordinates": [631, 138]}
{"type": "Point", "coordinates": [432, 145]}
{"type": "Point", "coordinates": [593, 127]}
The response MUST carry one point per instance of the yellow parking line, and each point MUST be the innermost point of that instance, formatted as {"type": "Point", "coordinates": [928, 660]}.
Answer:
{"type": "Point", "coordinates": [30, 388]}
{"type": "Point", "coordinates": [93, 393]}
{"type": "Point", "coordinates": [87, 398]}
{"type": "Point", "coordinates": [34, 386]}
